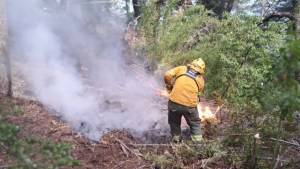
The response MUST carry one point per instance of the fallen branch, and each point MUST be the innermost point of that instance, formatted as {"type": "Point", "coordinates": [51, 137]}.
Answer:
{"type": "Point", "coordinates": [287, 142]}
{"type": "Point", "coordinates": [162, 145]}
{"type": "Point", "coordinates": [148, 130]}
{"type": "Point", "coordinates": [270, 158]}
{"type": "Point", "coordinates": [124, 150]}
{"type": "Point", "coordinates": [203, 165]}
{"type": "Point", "coordinates": [150, 145]}
{"type": "Point", "coordinates": [136, 154]}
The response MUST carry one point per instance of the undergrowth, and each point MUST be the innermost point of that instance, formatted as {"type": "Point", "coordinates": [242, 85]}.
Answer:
{"type": "Point", "coordinates": [30, 152]}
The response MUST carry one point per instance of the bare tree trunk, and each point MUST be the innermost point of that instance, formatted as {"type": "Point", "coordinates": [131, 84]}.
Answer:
{"type": "Point", "coordinates": [127, 7]}
{"type": "Point", "coordinates": [229, 5]}
{"type": "Point", "coordinates": [136, 8]}
{"type": "Point", "coordinates": [218, 6]}
{"type": "Point", "coordinates": [5, 67]}
{"type": "Point", "coordinates": [296, 13]}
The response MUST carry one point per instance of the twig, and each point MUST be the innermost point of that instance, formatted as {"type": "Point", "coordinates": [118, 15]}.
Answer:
{"type": "Point", "coordinates": [138, 155]}
{"type": "Point", "coordinates": [124, 150]}
{"type": "Point", "coordinates": [121, 163]}
{"type": "Point", "coordinates": [218, 109]}
{"type": "Point", "coordinates": [174, 151]}
{"type": "Point", "coordinates": [148, 130]}
{"type": "Point", "coordinates": [142, 166]}
{"type": "Point", "coordinates": [206, 161]}
{"type": "Point", "coordinates": [277, 160]}
{"type": "Point", "coordinates": [270, 158]}
{"type": "Point", "coordinates": [254, 152]}
{"type": "Point", "coordinates": [278, 157]}
{"type": "Point", "coordinates": [3, 146]}
{"type": "Point", "coordinates": [150, 145]}
{"type": "Point", "coordinates": [287, 142]}
{"type": "Point", "coordinates": [168, 154]}
{"type": "Point", "coordinates": [162, 145]}
{"type": "Point", "coordinates": [103, 145]}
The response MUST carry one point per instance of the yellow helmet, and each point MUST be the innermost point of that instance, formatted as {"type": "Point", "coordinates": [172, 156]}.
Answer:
{"type": "Point", "coordinates": [199, 65]}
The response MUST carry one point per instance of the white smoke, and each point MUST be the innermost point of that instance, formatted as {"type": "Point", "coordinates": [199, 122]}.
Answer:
{"type": "Point", "coordinates": [76, 66]}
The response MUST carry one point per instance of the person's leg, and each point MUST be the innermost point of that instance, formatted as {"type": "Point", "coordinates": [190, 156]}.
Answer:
{"type": "Point", "coordinates": [193, 120]}
{"type": "Point", "coordinates": [174, 120]}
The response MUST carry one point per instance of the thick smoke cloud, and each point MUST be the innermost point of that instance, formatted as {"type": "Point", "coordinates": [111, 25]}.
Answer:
{"type": "Point", "coordinates": [71, 56]}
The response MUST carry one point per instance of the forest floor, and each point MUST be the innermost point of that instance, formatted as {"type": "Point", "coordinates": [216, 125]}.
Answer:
{"type": "Point", "coordinates": [39, 122]}
{"type": "Point", "coordinates": [110, 152]}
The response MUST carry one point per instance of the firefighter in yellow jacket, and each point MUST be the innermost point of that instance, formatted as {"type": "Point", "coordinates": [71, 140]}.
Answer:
{"type": "Point", "coordinates": [185, 83]}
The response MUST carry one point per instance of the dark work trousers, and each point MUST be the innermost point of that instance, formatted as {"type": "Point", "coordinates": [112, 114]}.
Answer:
{"type": "Point", "coordinates": [176, 111]}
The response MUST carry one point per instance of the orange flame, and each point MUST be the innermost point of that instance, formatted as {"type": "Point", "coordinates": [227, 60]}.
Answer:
{"type": "Point", "coordinates": [206, 115]}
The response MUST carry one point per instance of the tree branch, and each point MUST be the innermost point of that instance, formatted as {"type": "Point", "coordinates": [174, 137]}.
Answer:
{"type": "Point", "coordinates": [279, 15]}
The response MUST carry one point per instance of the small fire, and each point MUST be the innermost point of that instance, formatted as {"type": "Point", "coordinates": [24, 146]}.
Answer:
{"type": "Point", "coordinates": [206, 115]}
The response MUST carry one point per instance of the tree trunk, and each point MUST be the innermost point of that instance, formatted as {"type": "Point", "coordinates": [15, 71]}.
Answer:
{"type": "Point", "coordinates": [5, 67]}
{"type": "Point", "coordinates": [136, 8]}
{"type": "Point", "coordinates": [218, 6]}
{"type": "Point", "coordinates": [127, 7]}
{"type": "Point", "coordinates": [296, 13]}
{"type": "Point", "coordinates": [229, 5]}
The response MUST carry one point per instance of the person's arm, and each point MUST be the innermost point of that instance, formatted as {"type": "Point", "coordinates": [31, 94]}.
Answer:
{"type": "Point", "coordinates": [169, 76]}
{"type": "Point", "coordinates": [201, 83]}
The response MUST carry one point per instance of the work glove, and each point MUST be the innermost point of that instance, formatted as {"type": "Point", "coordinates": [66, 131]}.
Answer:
{"type": "Point", "coordinates": [169, 88]}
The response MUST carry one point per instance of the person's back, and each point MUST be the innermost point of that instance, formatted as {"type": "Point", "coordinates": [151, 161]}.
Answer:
{"type": "Point", "coordinates": [185, 89]}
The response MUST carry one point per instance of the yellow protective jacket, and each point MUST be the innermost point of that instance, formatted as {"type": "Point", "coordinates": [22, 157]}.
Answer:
{"type": "Point", "coordinates": [185, 91]}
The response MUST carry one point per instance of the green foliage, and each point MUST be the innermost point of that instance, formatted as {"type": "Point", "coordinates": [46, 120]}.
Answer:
{"type": "Point", "coordinates": [288, 88]}
{"type": "Point", "coordinates": [212, 149]}
{"type": "Point", "coordinates": [183, 154]}
{"type": "Point", "coordinates": [251, 70]}
{"type": "Point", "coordinates": [33, 152]}
{"type": "Point", "coordinates": [175, 38]}
{"type": "Point", "coordinates": [17, 110]}
{"type": "Point", "coordinates": [183, 151]}
{"type": "Point", "coordinates": [8, 133]}
{"type": "Point", "coordinates": [150, 19]}
{"type": "Point", "coordinates": [161, 161]}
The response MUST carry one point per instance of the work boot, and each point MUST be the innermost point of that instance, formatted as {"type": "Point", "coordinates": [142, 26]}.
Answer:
{"type": "Point", "coordinates": [197, 138]}
{"type": "Point", "coordinates": [176, 139]}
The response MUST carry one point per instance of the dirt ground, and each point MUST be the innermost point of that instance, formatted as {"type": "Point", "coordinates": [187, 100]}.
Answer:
{"type": "Point", "coordinates": [37, 121]}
